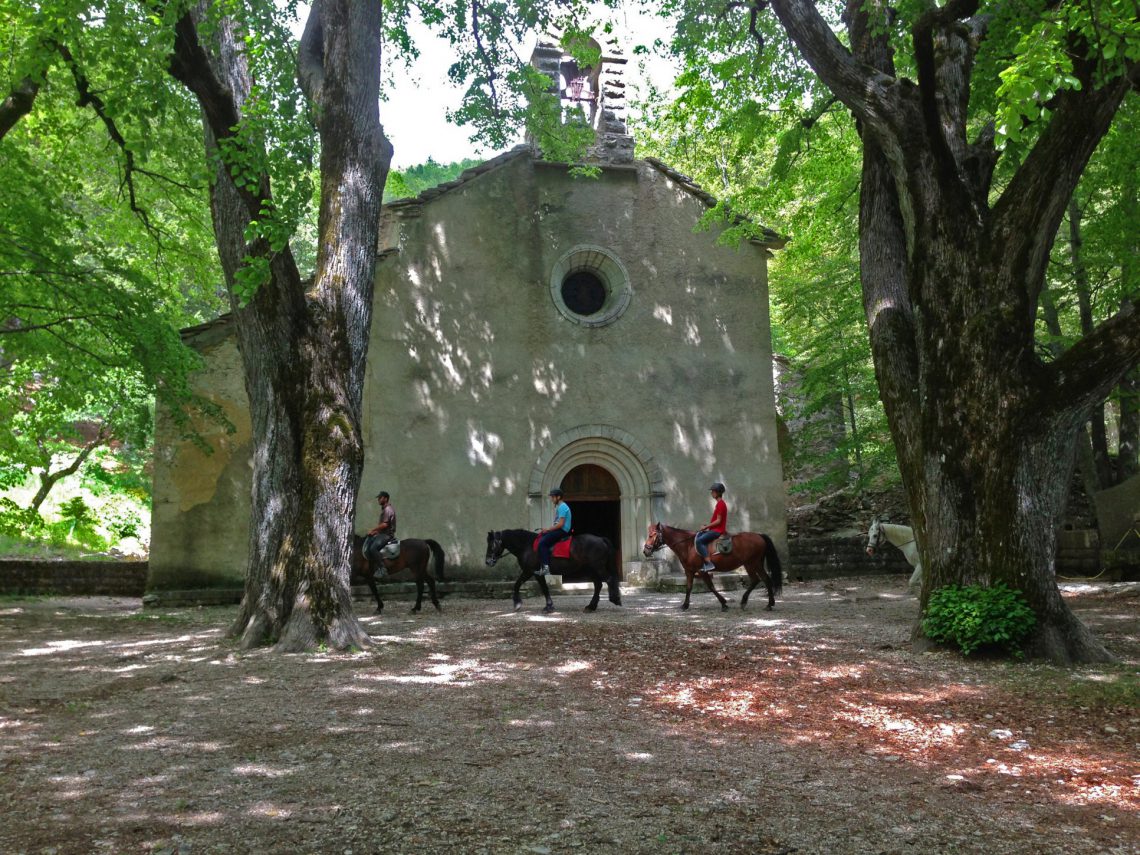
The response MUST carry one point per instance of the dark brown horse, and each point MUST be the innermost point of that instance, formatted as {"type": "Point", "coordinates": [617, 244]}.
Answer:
{"type": "Point", "coordinates": [414, 554]}
{"type": "Point", "coordinates": [750, 551]}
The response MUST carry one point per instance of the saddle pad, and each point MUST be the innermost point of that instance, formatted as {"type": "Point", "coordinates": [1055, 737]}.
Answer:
{"type": "Point", "coordinates": [561, 549]}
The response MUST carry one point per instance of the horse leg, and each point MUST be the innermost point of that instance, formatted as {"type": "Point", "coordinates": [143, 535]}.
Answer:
{"type": "Point", "coordinates": [419, 593]}
{"type": "Point", "coordinates": [516, 597]}
{"type": "Point", "coordinates": [709, 581]}
{"type": "Point", "coordinates": [549, 607]}
{"type": "Point", "coordinates": [431, 590]}
{"type": "Point", "coordinates": [753, 581]}
{"type": "Point", "coordinates": [592, 606]}
{"type": "Point", "coordinates": [375, 592]}
{"type": "Point", "coordinates": [915, 583]}
{"type": "Point", "coordinates": [615, 589]}
{"type": "Point", "coordinates": [688, 589]}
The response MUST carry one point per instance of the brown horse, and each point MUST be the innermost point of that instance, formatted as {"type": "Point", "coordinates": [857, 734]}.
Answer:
{"type": "Point", "coordinates": [414, 554]}
{"type": "Point", "coordinates": [750, 551]}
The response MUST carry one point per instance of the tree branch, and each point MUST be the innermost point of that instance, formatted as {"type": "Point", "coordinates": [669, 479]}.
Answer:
{"type": "Point", "coordinates": [311, 56]}
{"type": "Point", "coordinates": [1087, 371]}
{"type": "Point", "coordinates": [88, 98]}
{"type": "Point", "coordinates": [944, 87]}
{"type": "Point", "coordinates": [18, 104]}
{"type": "Point", "coordinates": [1025, 219]}
{"type": "Point", "coordinates": [862, 88]}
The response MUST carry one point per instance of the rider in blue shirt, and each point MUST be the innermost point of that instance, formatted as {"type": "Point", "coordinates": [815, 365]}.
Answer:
{"type": "Point", "coordinates": [550, 536]}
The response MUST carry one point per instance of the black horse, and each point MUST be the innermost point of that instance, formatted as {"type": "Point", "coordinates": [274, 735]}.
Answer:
{"type": "Point", "coordinates": [587, 552]}
{"type": "Point", "coordinates": [414, 554]}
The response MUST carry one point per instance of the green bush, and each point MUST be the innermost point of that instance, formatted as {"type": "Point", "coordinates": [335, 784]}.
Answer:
{"type": "Point", "coordinates": [19, 522]}
{"type": "Point", "coordinates": [974, 617]}
{"type": "Point", "coordinates": [121, 519]}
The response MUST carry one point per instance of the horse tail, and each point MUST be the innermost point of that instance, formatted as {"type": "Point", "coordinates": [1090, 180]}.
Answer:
{"type": "Point", "coordinates": [437, 552]}
{"type": "Point", "coordinates": [772, 559]}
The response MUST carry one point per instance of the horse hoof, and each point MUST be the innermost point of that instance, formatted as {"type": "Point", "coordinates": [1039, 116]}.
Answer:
{"type": "Point", "coordinates": [590, 608]}
{"type": "Point", "coordinates": [616, 602]}
{"type": "Point", "coordinates": [684, 607]}
{"type": "Point", "coordinates": [518, 607]}
{"type": "Point", "coordinates": [546, 610]}
{"type": "Point", "coordinates": [724, 607]}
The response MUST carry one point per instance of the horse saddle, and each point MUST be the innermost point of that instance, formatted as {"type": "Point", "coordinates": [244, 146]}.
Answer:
{"type": "Point", "coordinates": [561, 549]}
{"type": "Point", "coordinates": [390, 551]}
{"type": "Point", "coordinates": [724, 544]}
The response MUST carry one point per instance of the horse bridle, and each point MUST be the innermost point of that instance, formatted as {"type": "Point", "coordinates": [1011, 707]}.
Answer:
{"type": "Point", "coordinates": [496, 547]}
{"type": "Point", "coordinates": [658, 541]}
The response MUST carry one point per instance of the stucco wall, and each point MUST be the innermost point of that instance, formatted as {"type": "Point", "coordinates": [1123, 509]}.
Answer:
{"type": "Point", "coordinates": [200, 515]}
{"type": "Point", "coordinates": [481, 395]}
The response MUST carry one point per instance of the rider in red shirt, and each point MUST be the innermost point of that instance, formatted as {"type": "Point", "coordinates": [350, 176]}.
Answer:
{"type": "Point", "coordinates": [716, 527]}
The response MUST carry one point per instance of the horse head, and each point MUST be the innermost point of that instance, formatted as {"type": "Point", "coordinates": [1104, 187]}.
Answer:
{"type": "Point", "coordinates": [494, 547]}
{"type": "Point", "coordinates": [654, 541]}
{"type": "Point", "coordinates": [875, 534]}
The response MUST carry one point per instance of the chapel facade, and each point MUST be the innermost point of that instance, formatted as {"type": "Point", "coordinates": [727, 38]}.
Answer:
{"type": "Point", "coordinates": [531, 329]}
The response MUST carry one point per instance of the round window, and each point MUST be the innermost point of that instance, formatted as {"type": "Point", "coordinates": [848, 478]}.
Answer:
{"type": "Point", "coordinates": [583, 292]}
{"type": "Point", "coordinates": [590, 286]}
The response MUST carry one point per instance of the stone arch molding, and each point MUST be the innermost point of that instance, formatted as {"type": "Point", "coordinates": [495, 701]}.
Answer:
{"type": "Point", "coordinates": [638, 476]}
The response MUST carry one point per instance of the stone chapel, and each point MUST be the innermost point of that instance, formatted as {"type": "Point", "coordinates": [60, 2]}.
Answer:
{"type": "Point", "coordinates": [531, 329]}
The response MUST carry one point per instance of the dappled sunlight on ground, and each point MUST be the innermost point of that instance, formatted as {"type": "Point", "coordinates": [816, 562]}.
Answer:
{"type": "Point", "coordinates": [642, 728]}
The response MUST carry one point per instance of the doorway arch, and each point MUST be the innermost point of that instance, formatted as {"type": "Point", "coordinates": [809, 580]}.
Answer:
{"type": "Point", "coordinates": [627, 462]}
{"type": "Point", "coordinates": [595, 507]}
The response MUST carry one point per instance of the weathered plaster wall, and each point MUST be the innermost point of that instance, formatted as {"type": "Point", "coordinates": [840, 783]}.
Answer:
{"type": "Point", "coordinates": [200, 517]}
{"type": "Point", "coordinates": [475, 378]}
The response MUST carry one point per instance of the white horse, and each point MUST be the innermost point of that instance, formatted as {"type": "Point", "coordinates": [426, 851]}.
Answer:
{"type": "Point", "coordinates": [901, 536]}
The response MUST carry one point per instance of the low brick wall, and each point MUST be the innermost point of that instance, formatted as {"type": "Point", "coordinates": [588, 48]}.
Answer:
{"type": "Point", "coordinates": [1078, 555]}
{"type": "Point", "coordinates": [75, 578]}
{"type": "Point", "coordinates": [829, 557]}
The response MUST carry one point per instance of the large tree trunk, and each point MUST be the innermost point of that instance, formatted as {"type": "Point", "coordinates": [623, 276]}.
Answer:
{"type": "Point", "coordinates": [302, 353]}
{"type": "Point", "coordinates": [985, 431]}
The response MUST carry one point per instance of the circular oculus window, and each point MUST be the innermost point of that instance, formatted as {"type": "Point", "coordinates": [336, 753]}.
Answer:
{"type": "Point", "coordinates": [590, 286]}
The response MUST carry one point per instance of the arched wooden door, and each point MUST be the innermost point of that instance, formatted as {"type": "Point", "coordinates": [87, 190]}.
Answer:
{"type": "Point", "coordinates": [595, 506]}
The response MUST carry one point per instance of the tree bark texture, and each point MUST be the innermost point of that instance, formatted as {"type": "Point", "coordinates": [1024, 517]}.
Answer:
{"type": "Point", "coordinates": [303, 352]}
{"type": "Point", "coordinates": [985, 429]}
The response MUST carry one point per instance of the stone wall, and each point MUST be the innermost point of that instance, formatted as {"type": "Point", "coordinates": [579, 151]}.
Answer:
{"type": "Point", "coordinates": [76, 578]}
{"type": "Point", "coordinates": [831, 557]}
{"type": "Point", "coordinates": [1078, 555]}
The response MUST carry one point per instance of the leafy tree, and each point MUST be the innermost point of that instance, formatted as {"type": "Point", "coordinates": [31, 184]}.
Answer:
{"type": "Point", "coordinates": [415, 179]}
{"type": "Point", "coordinates": [104, 240]}
{"type": "Point", "coordinates": [952, 261]}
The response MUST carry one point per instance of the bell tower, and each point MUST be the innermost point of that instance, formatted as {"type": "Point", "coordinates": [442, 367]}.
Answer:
{"type": "Point", "coordinates": [596, 93]}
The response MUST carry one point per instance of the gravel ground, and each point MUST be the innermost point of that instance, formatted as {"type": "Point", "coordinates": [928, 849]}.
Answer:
{"type": "Point", "coordinates": [810, 729]}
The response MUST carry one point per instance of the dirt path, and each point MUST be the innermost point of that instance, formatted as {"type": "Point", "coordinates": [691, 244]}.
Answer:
{"type": "Point", "coordinates": [811, 729]}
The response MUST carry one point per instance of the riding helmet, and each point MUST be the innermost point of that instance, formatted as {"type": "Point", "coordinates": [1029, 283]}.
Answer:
{"type": "Point", "coordinates": [556, 491]}
{"type": "Point", "coordinates": [719, 487]}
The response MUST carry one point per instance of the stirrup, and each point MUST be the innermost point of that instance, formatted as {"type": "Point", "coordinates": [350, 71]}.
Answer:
{"type": "Point", "coordinates": [542, 571]}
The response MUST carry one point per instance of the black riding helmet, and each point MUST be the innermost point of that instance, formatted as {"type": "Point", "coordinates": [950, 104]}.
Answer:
{"type": "Point", "coordinates": [556, 491]}
{"type": "Point", "coordinates": [718, 487]}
